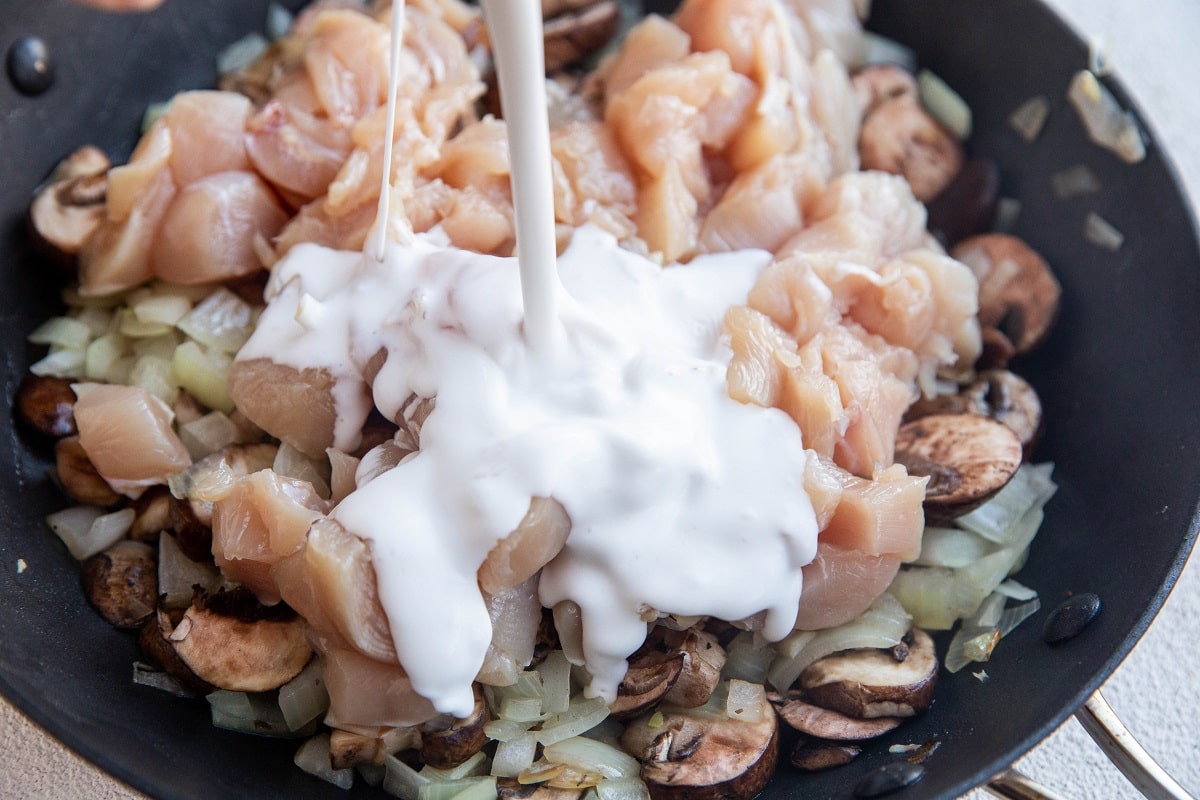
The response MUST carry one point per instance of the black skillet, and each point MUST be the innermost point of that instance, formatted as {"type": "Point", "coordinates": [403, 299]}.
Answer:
{"type": "Point", "coordinates": [1118, 379]}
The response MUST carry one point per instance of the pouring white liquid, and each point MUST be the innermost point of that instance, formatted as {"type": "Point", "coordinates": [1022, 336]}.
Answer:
{"type": "Point", "coordinates": [682, 500]}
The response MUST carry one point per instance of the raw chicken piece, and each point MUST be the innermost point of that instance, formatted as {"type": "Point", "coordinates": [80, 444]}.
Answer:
{"type": "Point", "coordinates": [331, 583]}
{"type": "Point", "coordinates": [652, 43]}
{"type": "Point", "coordinates": [207, 134]}
{"type": "Point", "coordinates": [127, 435]}
{"type": "Point", "coordinates": [762, 208]}
{"type": "Point", "coordinates": [116, 256]}
{"type": "Point", "coordinates": [366, 692]}
{"type": "Point", "coordinates": [208, 232]}
{"type": "Point", "coordinates": [840, 584]}
{"type": "Point", "coordinates": [883, 516]}
{"type": "Point", "coordinates": [592, 180]}
{"type": "Point", "coordinates": [346, 59]}
{"type": "Point", "coordinates": [263, 518]}
{"type": "Point", "coordinates": [296, 151]}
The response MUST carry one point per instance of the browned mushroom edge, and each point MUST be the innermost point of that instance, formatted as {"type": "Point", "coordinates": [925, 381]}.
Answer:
{"type": "Point", "coordinates": [968, 458]}
{"type": "Point", "coordinates": [122, 583]}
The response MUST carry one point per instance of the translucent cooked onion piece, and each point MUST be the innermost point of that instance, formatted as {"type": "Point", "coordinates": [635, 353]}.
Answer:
{"type": "Point", "coordinates": [590, 755]}
{"type": "Point", "coordinates": [1106, 123]}
{"type": "Point", "coordinates": [313, 758]}
{"type": "Point", "coordinates": [88, 530]}
{"type": "Point", "coordinates": [882, 625]}
{"type": "Point", "coordinates": [304, 698]}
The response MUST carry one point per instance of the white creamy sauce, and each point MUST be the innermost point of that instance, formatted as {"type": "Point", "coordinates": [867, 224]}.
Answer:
{"type": "Point", "coordinates": [682, 500]}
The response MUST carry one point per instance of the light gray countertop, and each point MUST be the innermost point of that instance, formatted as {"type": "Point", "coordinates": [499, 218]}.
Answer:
{"type": "Point", "coordinates": [1156, 691]}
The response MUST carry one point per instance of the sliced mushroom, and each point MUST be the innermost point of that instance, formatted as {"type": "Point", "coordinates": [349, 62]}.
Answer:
{"type": "Point", "coordinates": [122, 583]}
{"type": "Point", "coordinates": [997, 350]}
{"type": "Point", "coordinates": [157, 649]}
{"type": "Point", "coordinates": [703, 756]}
{"type": "Point", "coordinates": [192, 532]}
{"type": "Point", "coordinates": [1018, 294]}
{"type": "Point", "coordinates": [811, 757]}
{"type": "Point", "coordinates": [78, 476]}
{"type": "Point", "coordinates": [703, 659]}
{"type": "Point", "coordinates": [552, 8]}
{"type": "Point", "coordinates": [66, 213]}
{"type": "Point", "coordinates": [902, 138]}
{"type": "Point", "coordinates": [968, 459]}
{"type": "Point", "coordinates": [575, 35]}
{"type": "Point", "coordinates": [153, 514]}
{"type": "Point", "coordinates": [966, 206]}
{"type": "Point", "coordinates": [997, 393]}
{"type": "Point", "coordinates": [46, 404]}
{"type": "Point", "coordinates": [87, 160]}
{"type": "Point", "coordinates": [824, 723]}
{"type": "Point", "coordinates": [878, 83]}
{"type": "Point", "coordinates": [870, 683]}
{"type": "Point", "coordinates": [649, 677]}
{"type": "Point", "coordinates": [234, 644]}
{"type": "Point", "coordinates": [447, 742]}
{"type": "Point", "coordinates": [347, 749]}
{"type": "Point", "coordinates": [513, 789]}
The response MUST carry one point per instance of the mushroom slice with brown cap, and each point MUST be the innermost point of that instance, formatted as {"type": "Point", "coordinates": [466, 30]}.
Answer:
{"type": "Point", "coordinates": [703, 659]}
{"type": "Point", "coordinates": [46, 404]}
{"type": "Point", "coordinates": [877, 83]}
{"type": "Point", "coordinates": [447, 742]}
{"type": "Point", "coordinates": [77, 476]}
{"type": "Point", "coordinates": [68, 211]}
{"type": "Point", "coordinates": [157, 649]}
{"type": "Point", "coordinates": [900, 137]}
{"type": "Point", "coordinates": [649, 677]}
{"type": "Point", "coordinates": [254, 650]}
{"type": "Point", "coordinates": [573, 36]}
{"type": "Point", "coordinates": [997, 393]}
{"type": "Point", "coordinates": [701, 755]}
{"type": "Point", "coordinates": [870, 683]}
{"type": "Point", "coordinates": [122, 583]}
{"type": "Point", "coordinates": [812, 757]}
{"type": "Point", "coordinates": [824, 723]}
{"type": "Point", "coordinates": [968, 459]}
{"type": "Point", "coordinates": [1018, 293]}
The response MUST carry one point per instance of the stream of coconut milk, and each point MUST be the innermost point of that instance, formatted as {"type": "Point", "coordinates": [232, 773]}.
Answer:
{"type": "Point", "coordinates": [597, 379]}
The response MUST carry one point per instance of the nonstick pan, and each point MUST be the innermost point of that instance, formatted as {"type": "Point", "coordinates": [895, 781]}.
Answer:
{"type": "Point", "coordinates": [1118, 379]}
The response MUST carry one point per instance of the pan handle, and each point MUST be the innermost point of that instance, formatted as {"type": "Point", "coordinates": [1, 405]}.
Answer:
{"type": "Point", "coordinates": [1106, 728]}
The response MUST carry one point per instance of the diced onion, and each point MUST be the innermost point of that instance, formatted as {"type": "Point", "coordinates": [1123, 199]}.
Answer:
{"type": "Point", "coordinates": [927, 593]}
{"type": "Point", "coordinates": [101, 361]}
{"type": "Point", "coordinates": [1012, 617]}
{"type": "Point", "coordinates": [63, 332]}
{"type": "Point", "coordinates": [1008, 211]}
{"type": "Point", "coordinates": [951, 547]}
{"type": "Point", "coordinates": [1100, 232]}
{"type": "Point", "coordinates": [583, 715]}
{"type": "Point", "coordinates": [60, 364]}
{"type": "Point", "coordinates": [622, 789]}
{"type": "Point", "coordinates": [401, 780]}
{"type": "Point", "coordinates": [154, 374]}
{"type": "Point", "coordinates": [503, 730]}
{"type": "Point", "coordinates": [313, 758]}
{"type": "Point", "coordinates": [135, 328]}
{"type": "Point", "coordinates": [178, 574]}
{"type": "Point", "coordinates": [1074, 182]}
{"type": "Point", "coordinates": [279, 21]}
{"type": "Point", "coordinates": [470, 789]}
{"type": "Point", "coordinates": [590, 755]}
{"type": "Point", "coordinates": [944, 104]}
{"type": "Point", "coordinates": [1029, 118]}
{"type": "Point", "coordinates": [556, 682]}
{"type": "Point", "coordinates": [146, 675]}
{"type": "Point", "coordinates": [1015, 591]}
{"type": "Point", "coordinates": [241, 53]}
{"type": "Point", "coordinates": [164, 309]}
{"type": "Point", "coordinates": [882, 625]}
{"type": "Point", "coordinates": [514, 755]}
{"type": "Point", "coordinates": [998, 518]}
{"type": "Point", "coordinates": [208, 434]}
{"type": "Point", "coordinates": [473, 767]}
{"type": "Point", "coordinates": [1106, 123]}
{"type": "Point", "coordinates": [747, 659]}
{"type": "Point", "coordinates": [88, 530]}
{"type": "Point", "coordinates": [252, 713]}
{"type": "Point", "coordinates": [204, 373]}
{"type": "Point", "coordinates": [291, 463]}
{"type": "Point", "coordinates": [746, 701]}
{"type": "Point", "coordinates": [304, 698]}
{"type": "Point", "coordinates": [222, 321]}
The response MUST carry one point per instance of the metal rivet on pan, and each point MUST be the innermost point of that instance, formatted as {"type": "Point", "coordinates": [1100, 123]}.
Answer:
{"type": "Point", "coordinates": [30, 67]}
{"type": "Point", "coordinates": [1071, 617]}
{"type": "Point", "coordinates": [888, 778]}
